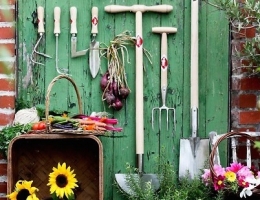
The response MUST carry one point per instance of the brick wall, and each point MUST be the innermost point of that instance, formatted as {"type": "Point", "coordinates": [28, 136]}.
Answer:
{"type": "Point", "coordinates": [7, 76]}
{"type": "Point", "coordinates": [245, 95]}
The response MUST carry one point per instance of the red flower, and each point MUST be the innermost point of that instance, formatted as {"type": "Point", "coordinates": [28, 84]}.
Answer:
{"type": "Point", "coordinates": [219, 182]}
{"type": "Point", "coordinates": [243, 183]}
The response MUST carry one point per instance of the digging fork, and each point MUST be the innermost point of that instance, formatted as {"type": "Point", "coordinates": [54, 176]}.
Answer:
{"type": "Point", "coordinates": [164, 68]}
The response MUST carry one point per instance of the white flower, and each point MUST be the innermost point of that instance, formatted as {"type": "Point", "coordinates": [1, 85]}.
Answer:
{"type": "Point", "coordinates": [253, 182]}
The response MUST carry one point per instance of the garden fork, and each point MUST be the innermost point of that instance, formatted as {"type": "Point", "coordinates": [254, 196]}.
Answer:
{"type": "Point", "coordinates": [164, 67]}
{"type": "Point", "coordinates": [40, 15]}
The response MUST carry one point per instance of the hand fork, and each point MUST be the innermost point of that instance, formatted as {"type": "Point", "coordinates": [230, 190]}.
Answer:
{"type": "Point", "coordinates": [40, 15]}
{"type": "Point", "coordinates": [164, 69]}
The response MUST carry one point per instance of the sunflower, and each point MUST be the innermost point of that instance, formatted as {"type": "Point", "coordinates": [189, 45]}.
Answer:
{"type": "Point", "coordinates": [62, 181]}
{"type": "Point", "coordinates": [23, 191]}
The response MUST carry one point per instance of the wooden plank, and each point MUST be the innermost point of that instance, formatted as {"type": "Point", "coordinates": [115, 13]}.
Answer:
{"type": "Point", "coordinates": [214, 74]}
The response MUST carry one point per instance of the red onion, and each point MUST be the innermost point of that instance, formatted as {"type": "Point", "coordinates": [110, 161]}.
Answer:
{"type": "Point", "coordinates": [110, 98]}
{"type": "Point", "coordinates": [115, 88]}
{"type": "Point", "coordinates": [124, 92]}
{"type": "Point", "coordinates": [104, 81]}
{"type": "Point", "coordinates": [117, 105]}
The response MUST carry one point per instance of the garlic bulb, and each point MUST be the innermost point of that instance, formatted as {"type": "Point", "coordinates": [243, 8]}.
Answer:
{"type": "Point", "coordinates": [25, 116]}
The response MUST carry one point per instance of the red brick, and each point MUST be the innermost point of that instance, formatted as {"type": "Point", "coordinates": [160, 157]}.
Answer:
{"type": "Point", "coordinates": [7, 67]}
{"type": "Point", "coordinates": [3, 169]}
{"type": "Point", "coordinates": [252, 83]}
{"type": "Point", "coordinates": [7, 102]}
{"type": "Point", "coordinates": [248, 32]}
{"type": "Point", "coordinates": [249, 117]}
{"type": "Point", "coordinates": [7, 32]}
{"type": "Point", "coordinates": [6, 119]}
{"type": "Point", "coordinates": [7, 50]}
{"type": "Point", "coordinates": [7, 84]}
{"type": "Point", "coordinates": [7, 15]}
{"type": "Point", "coordinates": [3, 187]}
{"type": "Point", "coordinates": [247, 101]}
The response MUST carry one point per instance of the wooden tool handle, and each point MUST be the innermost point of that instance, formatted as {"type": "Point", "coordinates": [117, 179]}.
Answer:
{"type": "Point", "coordinates": [40, 15]}
{"type": "Point", "coordinates": [73, 20]}
{"type": "Point", "coordinates": [194, 55]}
{"type": "Point", "coordinates": [141, 8]}
{"type": "Point", "coordinates": [57, 20]}
{"type": "Point", "coordinates": [94, 21]}
{"type": "Point", "coordinates": [139, 85]}
{"type": "Point", "coordinates": [164, 60]}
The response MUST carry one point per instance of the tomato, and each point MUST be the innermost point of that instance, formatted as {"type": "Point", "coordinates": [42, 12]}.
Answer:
{"type": "Point", "coordinates": [39, 126]}
{"type": "Point", "coordinates": [35, 126]}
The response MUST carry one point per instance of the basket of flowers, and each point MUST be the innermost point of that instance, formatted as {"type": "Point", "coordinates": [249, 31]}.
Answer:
{"type": "Point", "coordinates": [235, 181]}
{"type": "Point", "coordinates": [80, 123]}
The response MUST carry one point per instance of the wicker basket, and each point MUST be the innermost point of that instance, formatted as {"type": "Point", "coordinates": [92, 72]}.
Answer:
{"type": "Point", "coordinates": [213, 151]}
{"type": "Point", "coordinates": [47, 105]}
{"type": "Point", "coordinates": [32, 157]}
{"type": "Point", "coordinates": [256, 194]}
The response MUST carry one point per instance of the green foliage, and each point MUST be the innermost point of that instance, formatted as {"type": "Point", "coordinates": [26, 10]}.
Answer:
{"type": "Point", "coordinates": [171, 187]}
{"type": "Point", "coordinates": [9, 132]}
{"type": "Point", "coordinates": [243, 16]}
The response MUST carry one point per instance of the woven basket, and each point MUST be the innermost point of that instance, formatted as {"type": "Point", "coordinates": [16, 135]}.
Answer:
{"type": "Point", "coordinates": [256, 194]}
{"type": "Point", "coordinates": [47, 105]}
{"type": "Point", "coordinates": [32, 157]}
{"type": "Point", "coordinates": [213, 151]}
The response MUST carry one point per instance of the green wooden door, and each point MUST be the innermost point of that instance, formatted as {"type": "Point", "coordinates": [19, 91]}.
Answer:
{"type": "Point", "coordinates": [213, 74]}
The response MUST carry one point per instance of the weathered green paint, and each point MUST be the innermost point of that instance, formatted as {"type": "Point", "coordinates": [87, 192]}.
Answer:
{"type": "Point", "coordinates": [118, 151]}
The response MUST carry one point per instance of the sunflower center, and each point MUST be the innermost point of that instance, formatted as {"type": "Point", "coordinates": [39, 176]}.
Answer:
{"type": "Point", "coordinates": [22, 194]}
{"type": "Point", "coordinates": [61, 180]}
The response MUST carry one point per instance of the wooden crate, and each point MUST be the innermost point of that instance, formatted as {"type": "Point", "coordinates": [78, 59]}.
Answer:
{"type": "Point", "coordinates": [32, 157]}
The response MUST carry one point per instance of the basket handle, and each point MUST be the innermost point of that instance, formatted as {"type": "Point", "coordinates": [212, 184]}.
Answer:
{"type": "Point", "coordinates": [214, 148]}
{"type": "Point", "coordinates": [47, 100]}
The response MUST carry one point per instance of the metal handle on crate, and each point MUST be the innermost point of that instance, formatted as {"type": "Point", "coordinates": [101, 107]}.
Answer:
{"type": "Point", "coordinates": [47, 100]}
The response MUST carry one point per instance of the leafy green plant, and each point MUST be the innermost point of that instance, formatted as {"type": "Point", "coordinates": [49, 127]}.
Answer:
{"type": "Point", "coordinates": [243, 17]}
{"type": "Point", "coordinates": [9, 132]}
{"type": "Point", "coordinates": [171, 187]}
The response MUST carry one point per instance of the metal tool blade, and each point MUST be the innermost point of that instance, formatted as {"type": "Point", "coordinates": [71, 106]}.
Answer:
{"type": "Point", "coordinates": [94, 60]}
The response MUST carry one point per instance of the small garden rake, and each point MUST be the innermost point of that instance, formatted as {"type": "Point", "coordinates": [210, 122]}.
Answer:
{"type": "Point", "coordinates": [164, 67]}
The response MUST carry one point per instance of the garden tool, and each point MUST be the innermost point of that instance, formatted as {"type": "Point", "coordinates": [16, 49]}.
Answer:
{"type": "Point", "coordinates": [138, 10]}
{"type": "Point", "coordinates": [56, 33]}
{"type": "Point", "coordinates": [73, 31]}
{"type": "Point", "coordinates": [164, 68]}
{"type": "Point", "coordinates": [194, 151]}
{"type": "Point", "coordinates": [94, 60]}
{"type": "Point", "coordinates": [40, 16]}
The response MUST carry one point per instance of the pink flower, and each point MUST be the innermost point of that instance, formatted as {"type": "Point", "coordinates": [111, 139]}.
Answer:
{"type": "Point", "coordinates": [220, 171]}
{"type": "Point", "coordinates": [206, 176]}
{"type": "Point", "coordinates": [235, 167]}
{"type": "Point", "coordinates": [244, 173]}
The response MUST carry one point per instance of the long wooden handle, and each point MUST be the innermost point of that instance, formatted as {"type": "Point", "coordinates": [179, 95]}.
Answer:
{"type": "Point", "coordinates": [57, 20]}
{"type": "Point", "coordinates": [138, 8]}
{"type": "Point", "coordinates": [194, 55]}
{"type": "Point", "coordinates": [73, 20]}
{"type": "Point", "coordinates": [164, 63]}
{"type": "Point", "coordinates": [194, 71]}
{"type": "Point", "coordinates": [94, 21]}
{"type": "Point", "coordinates": [40, 15]}
{"type": "Point", "coordinates": [139, 85]}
